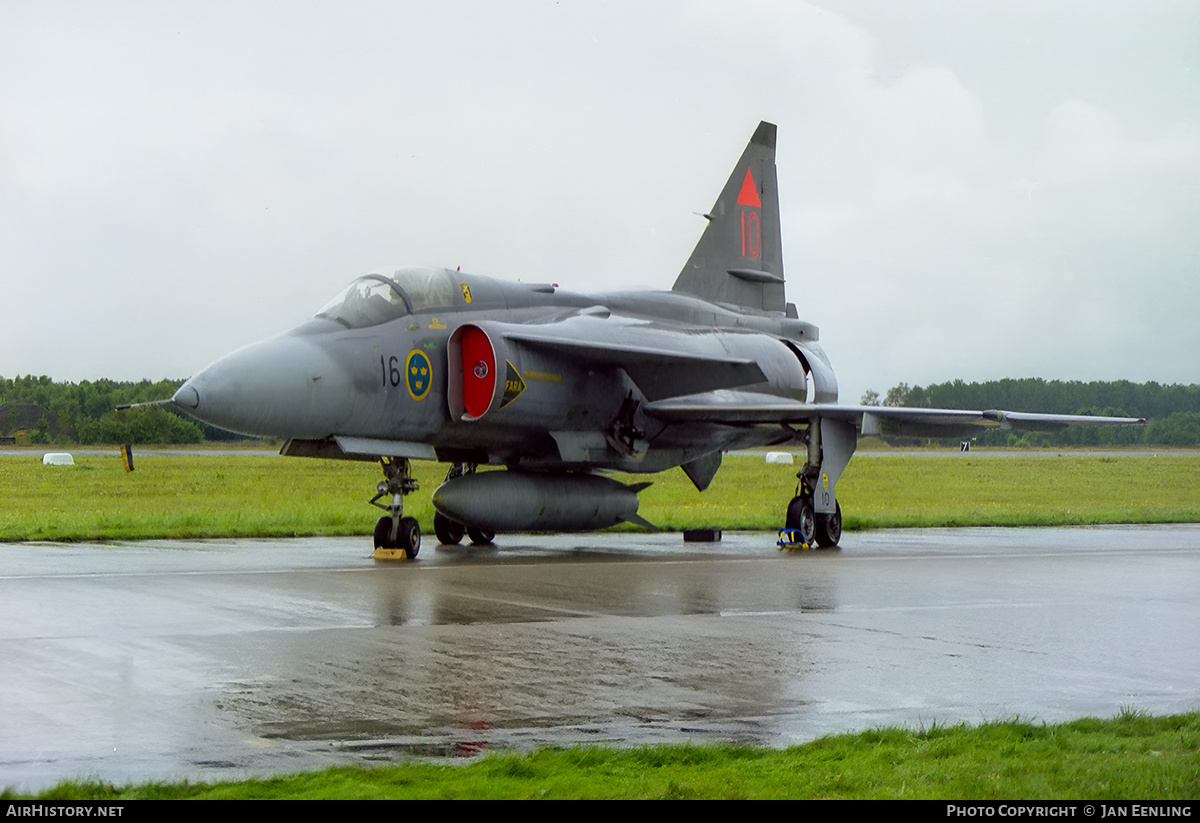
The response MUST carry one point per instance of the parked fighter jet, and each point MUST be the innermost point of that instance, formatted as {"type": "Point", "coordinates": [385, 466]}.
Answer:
{"type": "Point", "coordinates": [556, 386]}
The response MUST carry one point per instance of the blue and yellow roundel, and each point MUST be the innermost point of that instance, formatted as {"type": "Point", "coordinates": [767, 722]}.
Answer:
{"type": "Point", "coordinates": [418, 373]}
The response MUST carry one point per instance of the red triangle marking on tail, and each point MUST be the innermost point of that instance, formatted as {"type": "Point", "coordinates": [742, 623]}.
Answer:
{"type": "Point", "coordinates": [749, 193]}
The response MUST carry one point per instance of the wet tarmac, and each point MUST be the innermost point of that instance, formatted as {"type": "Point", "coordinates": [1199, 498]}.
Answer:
{"type": "Point", "coordinates": [218, 659]}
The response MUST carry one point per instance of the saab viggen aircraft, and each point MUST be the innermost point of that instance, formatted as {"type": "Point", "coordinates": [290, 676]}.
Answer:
{"type": "Point", "coordinates": [558, 386]}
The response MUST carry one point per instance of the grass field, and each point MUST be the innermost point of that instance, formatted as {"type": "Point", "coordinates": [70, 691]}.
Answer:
{"type": "Point", "coordinates": [270, 496]}
{"type": "Point", "coordinates": [1131, 756]}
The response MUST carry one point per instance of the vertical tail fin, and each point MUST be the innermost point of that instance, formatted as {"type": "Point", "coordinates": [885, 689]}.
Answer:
{"type": "Point", "coordinates": [739, 259]}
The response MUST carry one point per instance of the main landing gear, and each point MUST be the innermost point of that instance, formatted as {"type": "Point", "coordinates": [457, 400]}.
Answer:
{"type": "Point", "coordinates": [450, 532]}
{"type": "Point", "coordinates": [814, 517]}
{"type": "Point", "coordinates": [396, 534]}
{"type": "Point", "coordinates": [809, 528]}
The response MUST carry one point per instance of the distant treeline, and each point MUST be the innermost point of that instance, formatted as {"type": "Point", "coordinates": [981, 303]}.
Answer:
{"type": "Point", "coordinates": [46, 411]}
{"type": "Point", "coordinates": [1172, 412]}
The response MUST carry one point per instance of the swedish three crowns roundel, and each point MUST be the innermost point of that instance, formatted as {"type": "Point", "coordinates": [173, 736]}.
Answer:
{"type": "Point", "coordinates": [418, 374]}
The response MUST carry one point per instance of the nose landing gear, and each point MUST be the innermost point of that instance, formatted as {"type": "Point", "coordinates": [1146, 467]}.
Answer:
{"type": "Point", "coordinates": [396, 535]}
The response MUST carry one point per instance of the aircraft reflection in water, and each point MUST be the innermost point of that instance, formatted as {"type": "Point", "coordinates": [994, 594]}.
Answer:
{"type": "Point", "coordinates": [433, 364]}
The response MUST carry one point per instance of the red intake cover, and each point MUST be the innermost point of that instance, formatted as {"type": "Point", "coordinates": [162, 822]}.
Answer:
{"type": "Point", "coordinates": [478, 370]}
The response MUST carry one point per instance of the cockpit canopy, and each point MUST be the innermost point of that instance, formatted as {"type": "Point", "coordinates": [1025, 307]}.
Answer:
{"type": "Point", "coordinates": [378, 297]}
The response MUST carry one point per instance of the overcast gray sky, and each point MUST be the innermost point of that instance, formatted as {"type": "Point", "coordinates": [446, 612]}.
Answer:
{"type": "Point", "coordinates": [998, 188]}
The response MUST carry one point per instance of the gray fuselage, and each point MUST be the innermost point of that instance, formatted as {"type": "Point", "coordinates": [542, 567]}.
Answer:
{"type": "Point", "coordinates": [576, 370]}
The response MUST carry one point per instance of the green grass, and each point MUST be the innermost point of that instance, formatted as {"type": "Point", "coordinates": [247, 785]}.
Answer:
{"type": "Point", "coordinates": [1131, 756]}
{"type": "Point", "coordinates": [949, 489]}
{"type": "Point", "coordinates": [270, 496]}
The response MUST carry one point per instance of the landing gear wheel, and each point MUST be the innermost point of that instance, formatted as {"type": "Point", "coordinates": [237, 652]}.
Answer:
{"type": "Point", "coordinates": [383, 534]}
{"type": "Point", "coordinates": [449, 532]}
{"type": "Point", "coordinates": [480, 537]}
{"type": "Point", "coordinates": [408, 537]}
{"type": "Point", "coordinates": [801, 518]}
{"type": "Point", "coordinates": [829, 528]}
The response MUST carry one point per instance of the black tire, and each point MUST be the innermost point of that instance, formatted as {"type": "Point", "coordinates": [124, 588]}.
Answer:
{"type": "Point", "coordinates": [829, 528]}
{"type": "Point", "coordinates": [801, 518]}
{"type": "Point", "coordinates": [383, 533]}
{"type": "Point", "coordinates": [480, 537]}
{"type": "Point", "coordinates": [449, 532]}
{"type": "Point", "coordinates": [409, 537]}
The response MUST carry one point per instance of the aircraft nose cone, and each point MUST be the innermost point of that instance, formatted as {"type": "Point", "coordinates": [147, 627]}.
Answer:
{"type": "Point", "coordinates": [282, 387]}
{"type": "Point", "coordinates": [186, 397]}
